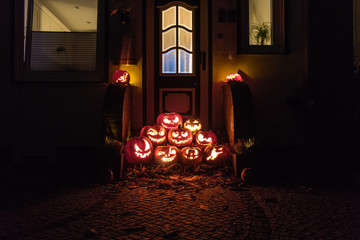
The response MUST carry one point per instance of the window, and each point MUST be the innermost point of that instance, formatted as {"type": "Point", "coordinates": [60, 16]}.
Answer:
{"type": "Point", "coordinates": [260, 26]}
{"type": "Point", "coordinates": [177, 40]}
{"type": "Point", "coordinates": [62, 41]}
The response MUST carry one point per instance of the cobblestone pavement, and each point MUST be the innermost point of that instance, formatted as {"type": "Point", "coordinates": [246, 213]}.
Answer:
{"type": "Point", "coordinates": [129, 210]}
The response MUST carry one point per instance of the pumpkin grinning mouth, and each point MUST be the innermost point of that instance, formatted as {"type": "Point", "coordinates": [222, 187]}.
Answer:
{"type": "Point", "coordinates": [157, 140]}
{"type": "Point", "coordinates": [142, 155]}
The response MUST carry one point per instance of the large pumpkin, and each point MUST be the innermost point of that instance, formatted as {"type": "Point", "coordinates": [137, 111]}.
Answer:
{"type": "Point", "coordinates": [205, 138]}
{"type": "Point", "coordinates": [216, 154]}
{"type": "Point", "coordinates": [156, 134]}
{"type": "Point", "coordinates": [180, 137]}
{"type": "Point", "coordinates": [191, 155]}
{"type": "Point", "coordinates": [120, 77]}
{"type": "Point", "coordinates": [169, 120]}
{"type": "Point", "coordinates": [138, 150]}
{"type": "Point", "coordinates": [166, 154]}
{"type": "Point", "coordinates": [193, 125]}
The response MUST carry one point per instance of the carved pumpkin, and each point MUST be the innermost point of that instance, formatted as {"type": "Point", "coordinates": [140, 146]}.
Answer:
{"type": "Point", "coordinates": [205, 138]}
{"type": "Point", "coordinates": [166, 154]}
{"type": "Point", "coordinates": [120, 77]}
{"type": "Point", "coordinates": [180, 137]}
{"type": "Point", "coordinates": [216, 154]}
{"type": "Point", "coordinates": [191, 155]}
{"type": "Point", "coordinates": [193, 125]}
{"type": "Point", "coordinates": [156, 134]}
{"type": "Point", "coordinates": [234, 77]}
{"type": "Point", "coordinates": [138, 150]}
{"type": "Point", "coordinates": [169, 120]}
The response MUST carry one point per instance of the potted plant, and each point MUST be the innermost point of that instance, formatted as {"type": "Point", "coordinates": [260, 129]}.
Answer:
{"type": "Point", "coordinates": [261, 32]}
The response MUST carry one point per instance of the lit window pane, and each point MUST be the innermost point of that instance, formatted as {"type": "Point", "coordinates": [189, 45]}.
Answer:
{"type": "Point", "coordinates": [185, 62]}
{"type": "Point", "coordinates": [185, 39]}
{"type": "Point", "coordinates": [168, 39]}
{"type": "Point", "coordinates": [169, 62]}
{"type": "Point", "coordinates": [168, 17]}
{"type": "Point", "coordinates": [185, 18]}
{"type": "Point", "coordinates": [260, 22]}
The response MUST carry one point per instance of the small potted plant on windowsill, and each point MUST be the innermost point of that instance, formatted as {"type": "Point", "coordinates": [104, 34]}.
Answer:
{"type": "Point", "coordinates": [261, 32]}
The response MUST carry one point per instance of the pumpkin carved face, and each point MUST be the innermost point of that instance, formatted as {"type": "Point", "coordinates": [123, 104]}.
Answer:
{"type": "Point", "coordinates": [138, 150]}
{"type": "Point", "coordinates": [193, 125]}
{"type": "Point", "coordinates": [169, 120]}
{"type": "Point", "coordinates": [216, 154]}
{"type": "Point", "coordinates": [120, 77]}
{"type": "Point", "coordinates": [156, 134]}
{"type": "Point", "coordinates": [205, 138]}
{"type": "Point", "coordinates": [191, 155]}
{"type": "Point", "coordinates": [180, 137]}
{"type": "Point", "coordinates": [166, 154]}
{"type": "Point", "coordinates": [234, 77]}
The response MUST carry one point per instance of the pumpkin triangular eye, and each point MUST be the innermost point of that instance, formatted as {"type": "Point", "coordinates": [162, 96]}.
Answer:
{"type": "Point", "coordinates": [176, 120]}
{"type": "Point", "coordinates": [162, 132]}
{"type": "Point", "coordinates": [172, 151]}
{"type": "Point", "coordinates": [166, 120]}
{"type": "Point", "coordinates": [147, 145]}
{"type": "Point", "coordinates": [175, 134]}
{"type": "Point", "coordinates": [184, 134]}
{"type": "Point", "coordinates": [152, 132]}
{"type": "Point", "coordinates": [137, 149]}
{"type": "Point", "coordinates": [201, 137]}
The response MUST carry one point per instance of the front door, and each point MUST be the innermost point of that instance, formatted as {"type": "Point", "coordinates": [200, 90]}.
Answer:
{"type": "Point", "coordinates": [177, 58]}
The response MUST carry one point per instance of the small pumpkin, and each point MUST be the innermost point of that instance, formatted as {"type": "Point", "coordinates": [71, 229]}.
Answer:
{"type": "Point", "coordinates": [180, 137]}
{"type": "Point", "coordinates": [191, 155]}
{"type": "Point", "coordinates": [138, 150]}
{"type": "Point", "coordinates": [169, 120]}
{"type": "Point", "coordinates": [120, 77]}
{"type": "Point", "coordinates": [156, 134]}
{"type": "Point", "coordinates": [205, 138]}
{"type": "Point", "coordinates": [193, 125]}
{"type": "Point", "coordinates": [216, 154]}
{"type": "Point", "coordinates": [247, 175]}
{"type": "Point", "coordinates": [166, 154]}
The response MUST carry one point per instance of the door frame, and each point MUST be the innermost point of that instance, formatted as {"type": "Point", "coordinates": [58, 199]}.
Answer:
{"type": "Point", "coordinates": [148, 66]}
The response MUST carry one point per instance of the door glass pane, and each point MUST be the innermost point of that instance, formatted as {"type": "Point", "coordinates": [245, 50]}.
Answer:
{"type": "Point", "coordinates": [168, 39]}
{"type": "Point", "coordinates": [185, 62]}
{"type": "Point", "coordinates": [168, 17]}
{"type": "Point", "coordinates": [185, 39]}
{"type": "Point", "coordinates": [185, 18]}
{"type": "Point", "coordinates": [260, 22]}
{"type": "Point", "coordinates": [169, 62]}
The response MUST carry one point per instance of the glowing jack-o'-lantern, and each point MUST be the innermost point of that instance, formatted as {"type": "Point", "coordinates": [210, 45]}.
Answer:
{"type": "Point", "coordinates": [191, 155]}
{"type": "Point", "coordinates": [138, 150]}
{"type": "Point", "coordinates": [234, 77]}
{"type": "Point", "coordinates": [120, 77]}
{"type": "Point", "coordinates": [166, 154]}
{"type": "Point", "coordinates": [216, 154]}
{"type": "Point", "coordinates": [169, 120]}
{"type": "Point", "coordinates": [180, 137]}
{"type": "Point", "coordinates": [193, 125]}
{"type": "Point", "coordinates": [156, 134]}
{"type": "Point", "coordinates": [205, 138]}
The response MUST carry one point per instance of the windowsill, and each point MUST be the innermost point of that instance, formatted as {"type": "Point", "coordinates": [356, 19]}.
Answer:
{"type": "Point", "coordinates": [61, 77]}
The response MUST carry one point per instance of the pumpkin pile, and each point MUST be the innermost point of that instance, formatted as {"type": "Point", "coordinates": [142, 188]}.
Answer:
{"type": "Point", "coordinates": [171, 140]}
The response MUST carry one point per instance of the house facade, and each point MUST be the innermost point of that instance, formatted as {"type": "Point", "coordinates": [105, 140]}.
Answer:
{"type": "Point", "coordinates": [301, 82]}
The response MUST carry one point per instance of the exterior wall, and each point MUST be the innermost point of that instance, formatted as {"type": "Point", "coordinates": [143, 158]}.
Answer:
{"type": "Point", "coordinates": [44, 116]}
{"type": "Point", "coordinates": [271, 77]}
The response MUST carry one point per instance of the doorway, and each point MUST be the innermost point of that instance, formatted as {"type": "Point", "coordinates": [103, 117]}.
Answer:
{"type": "Point", "coordinates": [177, 72]}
